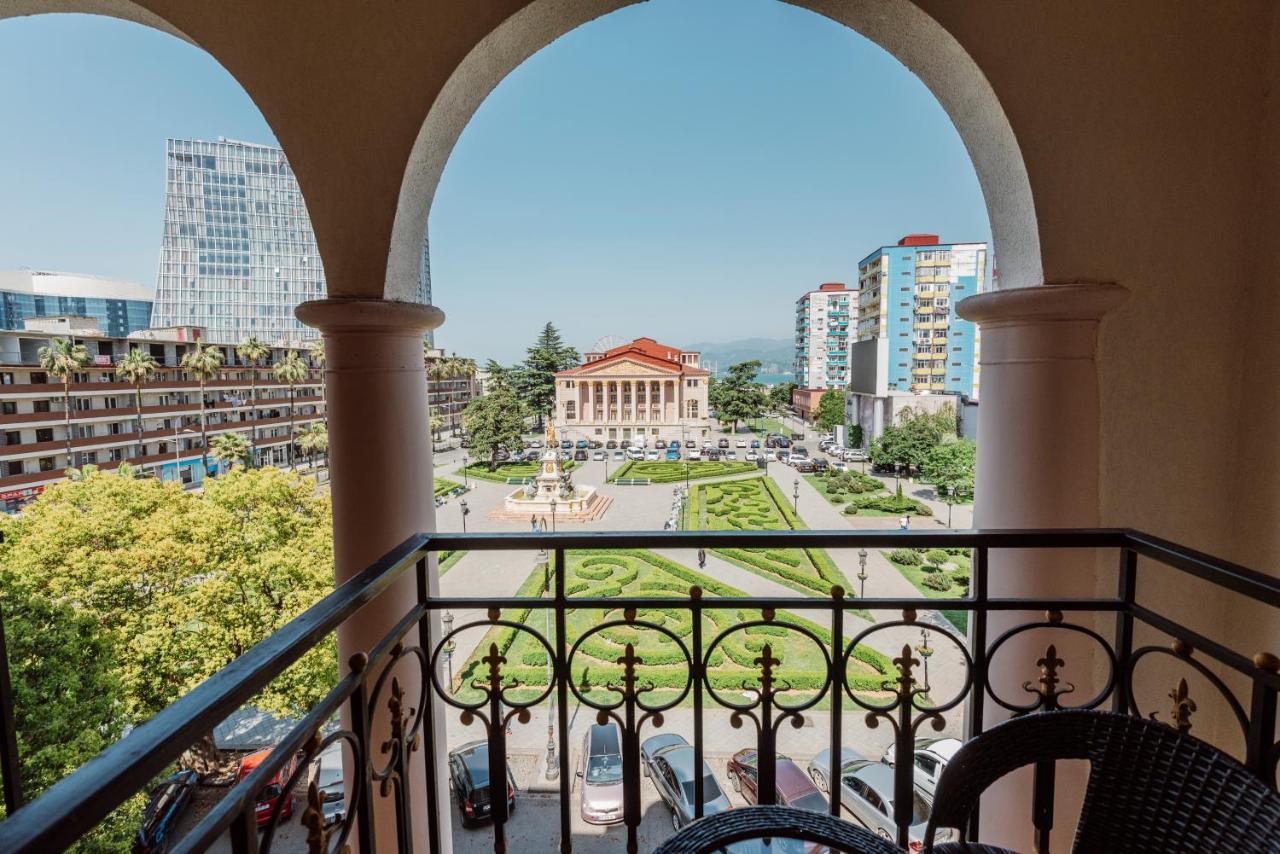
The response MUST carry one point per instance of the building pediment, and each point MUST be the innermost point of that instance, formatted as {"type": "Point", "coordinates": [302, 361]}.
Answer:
{"type": "Point", "coordinates": [625, 368]}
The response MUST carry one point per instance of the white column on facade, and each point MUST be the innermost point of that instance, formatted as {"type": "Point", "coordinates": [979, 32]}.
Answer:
{"type": "Point", "coordinates": [381, 485]}
{"type": "Point", "coordinates": [1038, 461]}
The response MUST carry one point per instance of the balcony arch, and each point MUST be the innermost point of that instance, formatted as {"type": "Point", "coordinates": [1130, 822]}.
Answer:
{"type": "Point", "coordinates": [900, 27]}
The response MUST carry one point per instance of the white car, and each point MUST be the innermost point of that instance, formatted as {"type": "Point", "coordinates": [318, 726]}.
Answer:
{"type": "Point", "coordinates": [839, 465]}
{"type": "Point", "coordinates": [931, 757]}
{"type": "Point", "coordinates": [650, 454]}
{"type": "Point", "coordinates": [694, 454]}
{"type": "Point", "coordinates": [635, 454]}
{"type": "Point", "coordinates": [752, 456]}
{"type": "Point", "coordinates": [771, 455]}
{"type": "Point", "coordinates": [741, 443]}
{"type": "Point", "coordinates": [854, 455]}
{"type": "Point", "coordinates": [730, 455]}
{"type": "Point", "coordinates": [619, 456]}
{"type": "Point", "coordinates": [707, 443]}
{"type": "Point", "coordinates": [598, 455]}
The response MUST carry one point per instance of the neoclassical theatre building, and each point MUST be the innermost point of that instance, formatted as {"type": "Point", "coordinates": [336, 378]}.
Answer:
{"type": "Point", "coordinates": [639, 390]}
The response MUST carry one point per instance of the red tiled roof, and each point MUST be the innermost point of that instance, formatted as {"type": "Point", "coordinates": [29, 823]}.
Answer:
{"type": "Point", "coordinates": [646, 351]}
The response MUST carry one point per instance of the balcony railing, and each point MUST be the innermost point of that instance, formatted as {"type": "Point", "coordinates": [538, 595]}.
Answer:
{"type": "Point", "coordinates": [625, 693]}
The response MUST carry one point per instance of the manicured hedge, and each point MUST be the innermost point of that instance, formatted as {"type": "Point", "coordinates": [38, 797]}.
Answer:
{"type": "Point", "coordinates": [937, 557]}
{"type": "Point", "coordinates": [910, 557]}
{"type": "Point", "coordinates": [673, 471]}
{"type": "Point", "coordinates": [506, 470]}
{"type": "Point", "coordinates": [444, 485]}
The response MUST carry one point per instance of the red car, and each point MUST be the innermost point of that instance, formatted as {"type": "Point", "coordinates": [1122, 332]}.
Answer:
{"type": "Point", "coordinates": [271, 792]}
{"type": "Point", "coordinates": [794, 787]}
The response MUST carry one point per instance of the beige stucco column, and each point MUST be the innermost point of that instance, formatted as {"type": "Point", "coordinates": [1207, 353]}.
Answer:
{"type": "Point", "coordinates": [380, 466]}
{"type": "Point", "coordinates": [1038, 454]}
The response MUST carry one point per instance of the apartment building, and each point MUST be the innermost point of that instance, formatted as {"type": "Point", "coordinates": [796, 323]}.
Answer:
{"type": "Point", "coordinates": [119, 307]}
{"type": "Point", "coordinates": [451, 384]}
{"type": "Point", "coordinates": [907, 295]}
{"type": "Point", "coordinates": [104, 421]}
{"type": "Point", "coordinates": [823, 321]}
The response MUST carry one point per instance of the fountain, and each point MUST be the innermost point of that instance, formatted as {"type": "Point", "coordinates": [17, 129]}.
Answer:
{"type": "Point", "coordinates": [552, 491]}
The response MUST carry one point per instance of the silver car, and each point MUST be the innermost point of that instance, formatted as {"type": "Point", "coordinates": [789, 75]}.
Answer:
{"type": "Point", "coordinates": [329, 782]}
{"type": "Point", "coordinates": [601, 774]}
{"type": "Point", "coordinates": [866, 794]}
{"type": "Point", "coordinates": [930, 758]}
{"type": "Point", "coordinates": [668, 761]}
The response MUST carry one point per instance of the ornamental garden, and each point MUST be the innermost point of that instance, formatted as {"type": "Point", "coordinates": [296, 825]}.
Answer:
{"type": "Point", "coordinates": [937, 574]}
{"type": "Point", "coordinates": [675, 472]}
{"type": "Point", "coordinates": [863, 495]}
{"type": "Point", "coordinates": [606, 574]}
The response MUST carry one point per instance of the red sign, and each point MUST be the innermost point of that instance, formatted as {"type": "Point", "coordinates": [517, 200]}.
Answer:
{"type": "Point", "coordinates": [104, 361]}
{"type": "Point", "coordinates": [29, 492]}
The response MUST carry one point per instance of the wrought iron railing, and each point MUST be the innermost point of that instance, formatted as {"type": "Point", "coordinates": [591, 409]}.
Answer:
{"type": "Point", "coordinates": [73, 806]}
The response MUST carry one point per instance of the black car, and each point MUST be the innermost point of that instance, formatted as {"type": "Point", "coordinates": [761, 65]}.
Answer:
{"type": "Point", "coordinates": [595, 444]}
{"type": "Point", "coordinates": [723, 443]}
{"type": "Point", "coordinates": [164, 807]}
{"type": "Point", "coordinates": [691, 443]}
{"type": "Point", "coordinates": [819, 464]}
{"type": "Point", "coordinates": [611, 445]}
{"type": "Point", "coordinates": [800, 451]}
{"type": "Point", "coordinates": [711, 454]}
{"type": "Point", "coordinates": [803, 464]}
{"type": "Point", "coordinates": [580, 455]}
{"type": "Point", "coordinates": [469, 780]}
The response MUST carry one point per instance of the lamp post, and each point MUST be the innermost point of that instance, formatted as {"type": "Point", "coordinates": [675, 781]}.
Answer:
{"type": "Point", "coordinates": [862, 573]}
{"type": "Point", "coordinates": [925, 651]}
{"type": "Point", "coordinates": [553, 515]}
{"type": "Point", "coordinates": [446, 621]}
{"type": "Point", "coordinates": [465, 483]}
{"type": "Point", "coordinates": [466, 511]}
{"type": "Point", "coordinates": [897, 474]}
{"type": "Point", "coordinates": [553, 763]}
{"type": "Point", "coordinates": [795, 494]}
{"type": "Point", "coordinates": [948, 492]}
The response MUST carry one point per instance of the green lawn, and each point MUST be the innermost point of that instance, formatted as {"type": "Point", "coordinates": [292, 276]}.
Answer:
{"type": "Point", "coordinates": [872, 499]}
{"type": "Point", "coordinates": [506, 470]}
{"type": "Point", "coordinates": [447, 559]}
{"type": "Point", "coordinates": [674, 472]}
{"type": "Point", "coordinates": [443, 485]}
{"type": "Point", "coordinates": [633, 572]}
{"type": "Point", "coordinates": [917, 574]}
{"type": "Point", "coordinates": [756, 504]}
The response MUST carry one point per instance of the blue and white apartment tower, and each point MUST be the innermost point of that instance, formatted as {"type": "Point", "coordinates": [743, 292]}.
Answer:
{"type": "Point", "coordinates": [907, 295]}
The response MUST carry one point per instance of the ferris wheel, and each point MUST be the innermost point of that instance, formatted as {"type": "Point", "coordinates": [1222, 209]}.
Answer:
{"type": "Point", "coordinates": [606, 343]}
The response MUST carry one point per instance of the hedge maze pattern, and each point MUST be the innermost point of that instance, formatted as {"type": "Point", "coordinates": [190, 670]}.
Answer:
{"type": "Point", "coordinates": [671, 471]}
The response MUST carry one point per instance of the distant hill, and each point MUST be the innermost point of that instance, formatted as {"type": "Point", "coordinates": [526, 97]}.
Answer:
{"type": "Point", "coordinates": [777, 355]}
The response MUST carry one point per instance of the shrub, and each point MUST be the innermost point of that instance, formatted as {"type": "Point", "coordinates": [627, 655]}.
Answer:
{"type": "Point", "coordinates": [908, 557]}
{"type": "Point", "coordinates": [937, 581]}
{"type": "Point", "coordinates": [960, 578]}
{"type": "Point", "coordinates": [960, 552]}
{"type": "Point", "coordinates": [936, 557]}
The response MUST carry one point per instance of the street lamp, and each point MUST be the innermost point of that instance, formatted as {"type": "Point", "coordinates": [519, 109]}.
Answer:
{"type": "Point", "coordinates": [446, 621]}
{"type": "Point", "coordinates": [795, 494]}
{"type": "Point", "coordinates": [862, 573]}
{"type": "Point", "coordinates": [466, 511]}
{"type": "Point", "coordinates": [925, 651]}
{"type": "Point", "coordinates": [465, 483]}
{"type": "Point", "coordinates": [544, 561]}
{"type": "Point", "coordinates": [948, 492]}
{"type": "Point", "coordinates": [553, 763]}
{"type": "Point", "coordinates": [897, 473]}
{"type": "Point", "coordinates": [553, 515]}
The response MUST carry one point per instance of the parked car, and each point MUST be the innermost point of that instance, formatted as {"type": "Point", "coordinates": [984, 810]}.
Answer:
{"type": "Point", "coordinates": [803, 465]}
{"type": "Point", "coordinates": [611, 445]}
{"type": "Point", "coordinates": [635, 454]}
{"type": "Point", "coordinates": [566, 445]}
{"type": "Point", "coordinates": [674, 444]}
{"type": "Point", "coordinates": [854, 455]}
{"type": "Point", "coordinates": [329, 782]}
{"type": "Point", "coordinates": [707, 443]}
{"type": "Point", "coordinates": [694, 455]}
{"type": "Point", "coordinates": [273, 790]}
{"type": "Point", "coordinates": [819, 464]}
{"type": "Point", "coordinates": [673, 455]}
{"type": "Point", "coordinates": [651, 454]}
{"type": "Point", "coordinates": [712, 453]}
{"type": "Point", "coordinates": [595, 444]}
{"type": "Point", "coordinates": [691, 443]}
{"type": "Point", "coordinates": [839, 465]}
{"type": "Point", "coordinates": [619, 456]}
{"type": "Point", "coordinates": [931, 757]}
{"type": "Point", "coordinates": [741, 443]}
{"type": "Point", "coordinates": [469, 781]}
{"type": "Point", "coordinates": [580, 455]}
{"type": "Point", "coordinates": [723, 443]}
{"type": "Point", "coordinates": [800, 451]}
{"type": "Point", "coordinates": [752, 456]}
{"type": "Point", "coordinates": [599, 455]}
{"type": "Point", "coordinates": [755, 443]}
{"type": "Point", "coordinates": [533, 443]}
{"type": "Point", "coordinates": [581, 443]}
{"type": "Point", "coordinates": [794, 788]}
{"type": "Point", "coordinates": [866, 794]}
{"type": "Point", "coordinates": [601, 774]}
{"type": "Point", "coordinates": [730, 455]}
{"type": "Point", "coordinates": [165, 805]}
{"type": "Point", "coordinates": [770, 454]}
{"type": "Point", "coordinates": [667, 760]}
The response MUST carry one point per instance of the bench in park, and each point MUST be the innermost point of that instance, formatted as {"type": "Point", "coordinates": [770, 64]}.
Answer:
{"type": "Point", "coordinates": [632, 481]}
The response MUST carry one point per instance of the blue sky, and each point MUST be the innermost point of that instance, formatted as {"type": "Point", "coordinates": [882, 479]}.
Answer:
{"type": "Point", "coordinates": [682, 169]}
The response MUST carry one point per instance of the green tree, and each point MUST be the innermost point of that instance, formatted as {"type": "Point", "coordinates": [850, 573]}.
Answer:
{"type": "Point", "coordinates": [291, 371]}
{"type": "Point", "coordinates": [204, 362]}
{"type": "Point", "coordinates": [830, 409]}
{"type": "Point", "coordinates": [738, 396]}
{"type": "Point", "coordinates": [855, 436]}
{"type": "Point", "coordinates": [253, 351]}
{"type": "Point", "coordinates": [230, 448]}
{"type": "Point", "coordinates": [494, 422]}
{"type": "Point", "coordinates": [535, 381]}
{"type": "Point", "coordinates": [62, 358]}
{"type": "Point", "coordinates": [909, 442]}
{"type": "Point", "coordinates": [950, 466]}
{"type": "Point", "coordinates": [136, 368]}
{"type": "Point", "coordinates": [314, 440]}
{"type": "Point", "coordinates": [780, 395]}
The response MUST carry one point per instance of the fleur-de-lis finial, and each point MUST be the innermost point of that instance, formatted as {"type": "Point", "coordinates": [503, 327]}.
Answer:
{"type": "Point", "coordinates": [1183, 707]}
{"type": "Point", "coordinates": [629, 660]}
{"type": "Point", "coordinates": [313, 820]}
{"type": "Point", "coordinates": [766, 661]}
{"type": "Point", "coordinates": [495, 660]}
{"type": "Point", "coordinates": [399, 718]}
{"type": "Point", "coordinates": [1047, 684]}
{"type": "Point", "coordinates": [905, 665]}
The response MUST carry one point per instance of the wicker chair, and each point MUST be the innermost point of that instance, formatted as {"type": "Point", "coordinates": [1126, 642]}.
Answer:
{"type": "Point", "coordinates": [1150, 788]}
{"type": "Point", "coordinates": [715, 832]}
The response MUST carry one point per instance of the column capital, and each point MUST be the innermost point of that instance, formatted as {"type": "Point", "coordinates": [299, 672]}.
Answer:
{"type": "Point", "coordinates": [1073, 301]}
{"type": "Point", "coordinates": [385, 317]}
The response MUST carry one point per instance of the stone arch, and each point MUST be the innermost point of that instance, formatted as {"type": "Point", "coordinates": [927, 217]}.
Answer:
{"type": "Point", "coordinates": [900, 27]}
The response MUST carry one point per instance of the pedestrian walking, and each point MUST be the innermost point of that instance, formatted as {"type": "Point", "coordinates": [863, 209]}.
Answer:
{"type": "Point", "coordinates": [533, 524]}
{"type": "Point", "coordinates": [904, 523]}
{"type": "Point", "coordinates": [702, 558]}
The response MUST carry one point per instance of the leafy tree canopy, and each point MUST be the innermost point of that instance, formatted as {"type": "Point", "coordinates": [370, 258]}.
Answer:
{"type": "Point", "coordinates": [950, 466]}
{"type": "Point", "coordinates": [909, 441]}
{"type": "Point", "coordinates": [534, 380]}
{"type": "Point", "coordinates": [780, 395]}
{"type": "Point", "coordinates": [830, 409]}
{"type": "Point", "coordinates": [494, 423]}
{"type": "Point", "coordinates": [738, 397]}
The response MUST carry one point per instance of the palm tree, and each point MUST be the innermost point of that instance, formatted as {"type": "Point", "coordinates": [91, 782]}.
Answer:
{"type": "Point", "coordinates": [204, 361]}
{"type": "Point", "coordinates": [136, 368]}
{"type": "Point", "coordinates": [252, 351]}
{"type": "Point", "coordinates": [317, 358]}
{"type": "Point", "coordinates": [461, 369]}
{"type": "Point", "coordinates": [437, 370]}
{"type": "Point", "coordinates": [314, 439]}
{"type": "Point", "coordinates": [230, 448]}
{"type": "Point", "coordinates": [290, 370]}
{"type": "Point", "coordinates": [62, 358]}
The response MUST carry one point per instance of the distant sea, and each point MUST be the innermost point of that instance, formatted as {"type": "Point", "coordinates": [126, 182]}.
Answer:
{"type": "Point", "coordinates": [774, 379]}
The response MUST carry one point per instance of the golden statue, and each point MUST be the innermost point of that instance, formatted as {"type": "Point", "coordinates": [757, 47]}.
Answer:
{"type": "Point", "coordinates": [551, 434]}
